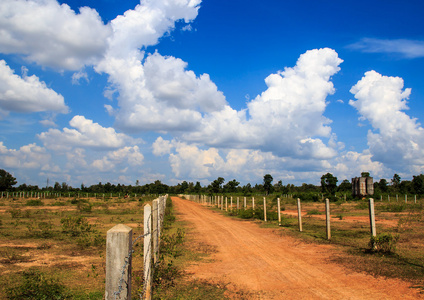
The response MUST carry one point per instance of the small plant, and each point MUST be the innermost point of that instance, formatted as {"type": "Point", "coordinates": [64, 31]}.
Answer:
{"type": "Point", "coordinates": [384, 243]}
{"type": "Point", "coordinates": [314, 212]}
{"type": "Point", "coordinates": [11, 256]}
{"type": "Point", "coordinates": [36, 286]}
{"type": "Point", "coordinates": [34, 202]}
{"type": "Point", "coordinates": [75, 226]}
{"type": "Point", "coordinates": [15, 213]}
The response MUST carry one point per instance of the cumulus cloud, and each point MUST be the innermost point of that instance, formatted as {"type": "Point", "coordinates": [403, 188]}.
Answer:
{"type": "Point", "coordinates": [27, 157]}
{"type": "Point", "coordinates": [130, 155]}
{"type": "Point", "coordinates": [86, 133]}
{"type": "Point", "coordinates": [161, 147]}
{"type": "Point", "coordinates": [287, 118]}
{"type": "Point", "coordinates": [52, 35]}
{"type": "Point", "coordinates": [403, 47]}
{"type": "Point", "coordinates": [397, 139]}
{"type": "Point", "coordinates": [27, 93]}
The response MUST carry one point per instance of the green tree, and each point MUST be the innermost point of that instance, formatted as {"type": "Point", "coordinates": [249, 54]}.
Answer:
{"type": "Point", "coordinates": [365, 174]}
{"type": "Point", "coordinates": [329, 184]}
{"type": "Point", "coordinates": [382, 184]}
{"type": "Point", "coordinates": [6, 180]}
{"type": "Point", "coordinates": [418, 184]}
{"type": "Point", "coordinates": [216, 185]}
{"type": "Point", "coordinates": [268, 183]}
{"type": "Point", "coordinates": [345, 186]}
{"type": "Point", "coordinates": [231, 186]}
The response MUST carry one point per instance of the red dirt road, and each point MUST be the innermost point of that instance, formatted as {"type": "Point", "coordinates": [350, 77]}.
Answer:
{"type": "Point", "coordinates": [270, 266]}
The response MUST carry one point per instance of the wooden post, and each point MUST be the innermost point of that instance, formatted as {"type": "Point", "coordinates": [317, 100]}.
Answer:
{"type": "Point", "coordinates": [279, 211]}
{"type": "Point", "coordinates": [118, 263]}
{"type": "Point", "coordinates": [327, 217]}
{"type": "Point", "coordinates": [264, 209]}
{"type": "Point", "coordinates": [299, 213]}
{"type": "Point", "coordinates": [147, 263]}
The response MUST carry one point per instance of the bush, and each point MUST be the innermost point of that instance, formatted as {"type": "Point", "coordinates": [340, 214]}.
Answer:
{"type": "Point", "coordinates": [34, 202]}
{"type": "Point", "coordinates": [75, 226]}
{"type": "Point", "coordinates": [36, 286]}
{"type": "Point", "coordinates": [384, 243]}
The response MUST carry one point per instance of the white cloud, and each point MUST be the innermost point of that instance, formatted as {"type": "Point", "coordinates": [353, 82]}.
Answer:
{"type": "Point", "coordinates": [52, 35]}
{"type": "Point", "coordinates": [86, 134]}
{"type": "Point", "coordinates": [398, 140]}
{"type": "Point", "coordinates": [27, 157]}
{"type": "Point", "coordinates": [130, 155]}
{"type": "Point", "coordinates": [27, 93]}
{"type": "Point", "coordinates": [146, 23]}
{"type": "Point", "coordinates": [287, 118]}
{"type": "Point", "coordinates": [76, 77]}
{"type": "Point", "coordinates": [161, 147]}
{"type": "Point", "coordinates": [406, 48]}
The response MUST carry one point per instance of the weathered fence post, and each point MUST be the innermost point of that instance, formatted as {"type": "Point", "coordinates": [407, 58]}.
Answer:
{"type": "Point", "coordinates": [118, 263]}
{"type": "Point", "coordinates": [244, 203]}
{"type": "Point", "coordinates": [299, 213]}
{"type": "Point", "coordinates": [372, 217]}
{"type": "Point", "coordinates": [406, 198]}
{"type": "Point", "coordinates": [327, 217]}
{"type": "Point", "coordinates": [231, 201]}
{"type": "Point", "coordinates": [226, 204]}
{"type": "Point", "coordinates": [147, 255]}
{"type": "Point", "coordinates": [372, 221]}
{"type": "Point", "coordinates": [238, 206]}
{"type": "Point", "coordinates": [253, 203]}
{"type": "Point", "coordinates": [155, 230]}
{"type": "Point", "coordinates": [279, 211]}
{"type": "Point", "coordinates": [264, 209]}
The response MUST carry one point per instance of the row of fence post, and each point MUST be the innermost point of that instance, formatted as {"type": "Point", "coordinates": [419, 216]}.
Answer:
{"type": "Point", "coordinates": [219, 200]}
{"type": "Point", "coordinates": [119, 249]}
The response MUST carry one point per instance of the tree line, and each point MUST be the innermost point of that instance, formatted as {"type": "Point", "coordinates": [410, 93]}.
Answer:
{"type": "Point", "coordinates": [329, 187]}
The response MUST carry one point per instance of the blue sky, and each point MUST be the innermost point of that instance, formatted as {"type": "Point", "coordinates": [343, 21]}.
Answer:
{"type": "Point", "coordinates": [119, 91]}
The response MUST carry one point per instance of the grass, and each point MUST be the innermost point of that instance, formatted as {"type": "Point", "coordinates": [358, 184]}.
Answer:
{"type": "Point", "coordinates": [63, 239]}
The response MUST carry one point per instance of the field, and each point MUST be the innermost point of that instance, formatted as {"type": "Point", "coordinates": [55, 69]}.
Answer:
{"type": "Point", "coordinates": [63, 239]}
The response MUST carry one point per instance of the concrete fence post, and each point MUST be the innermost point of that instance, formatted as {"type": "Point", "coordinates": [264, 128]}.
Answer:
{"type": "Point", "coordinates": [327, 217]}
{"type": "Point", "coordinates": [231, 203]}
{"type": "Point", "coordinates": [279, 211]}
{"type": "Point", "coordinates": [118, 263]}
{"type": "Point", "coordinates": [372, 217]}
{"type": "Point", "coordinates": [147, 255]}
{"type": "Point", "coordinates": [253, 203]}
{"type": "Point", "coordinates": [226, 204]}
{"type": "Point", "coordinates": [155, 231]}
{"type": "Point", "coordinates": [299, 213]}
{"type": "Point", "coordinates": [244, 205]}
{"type": "Point", "coordinates": [264, 209]}
{"type": "Point", "coordinates": [238, 205]}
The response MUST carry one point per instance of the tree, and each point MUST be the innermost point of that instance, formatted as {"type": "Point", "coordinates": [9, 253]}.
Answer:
{"type": "Point", "coordinates": [231, 186]}
{"type": "Point", "coordinates": [418, 184]}
{"type": "Point", "coordinates": [216, 185]}
{"type": "Point", "coordinates": [345, 186]}
{"type": "Point", "coordinates": [329, 184]}
{"type": "Point", "coordinates": [396, 180]}
{"type": "Point", "coordinates": [365, 174]}
{"type": "Point", "coordinates": [268, 183]}
{"type": "Point", "coordinates": [382, 184]}
{"type": "Point", "coordinates": [6, 180]}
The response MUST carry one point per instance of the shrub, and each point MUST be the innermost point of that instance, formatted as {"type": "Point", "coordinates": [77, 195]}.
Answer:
{"type": "Point", "coordinates": [36, 286]}
{"type": "Point", "coordinates": [384, 243]}
{"type": "Point", "coordinates": [34, 202]}
{"type": "Point", "coordinates": [75, 226]}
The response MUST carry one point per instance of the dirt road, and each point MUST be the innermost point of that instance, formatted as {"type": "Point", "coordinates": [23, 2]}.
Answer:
{"type": "Point", "coordinates": [270, 266]}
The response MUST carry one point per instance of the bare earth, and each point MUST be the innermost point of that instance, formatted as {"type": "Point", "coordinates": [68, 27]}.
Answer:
{"type": "Point", "coordinates": [270, 266]}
